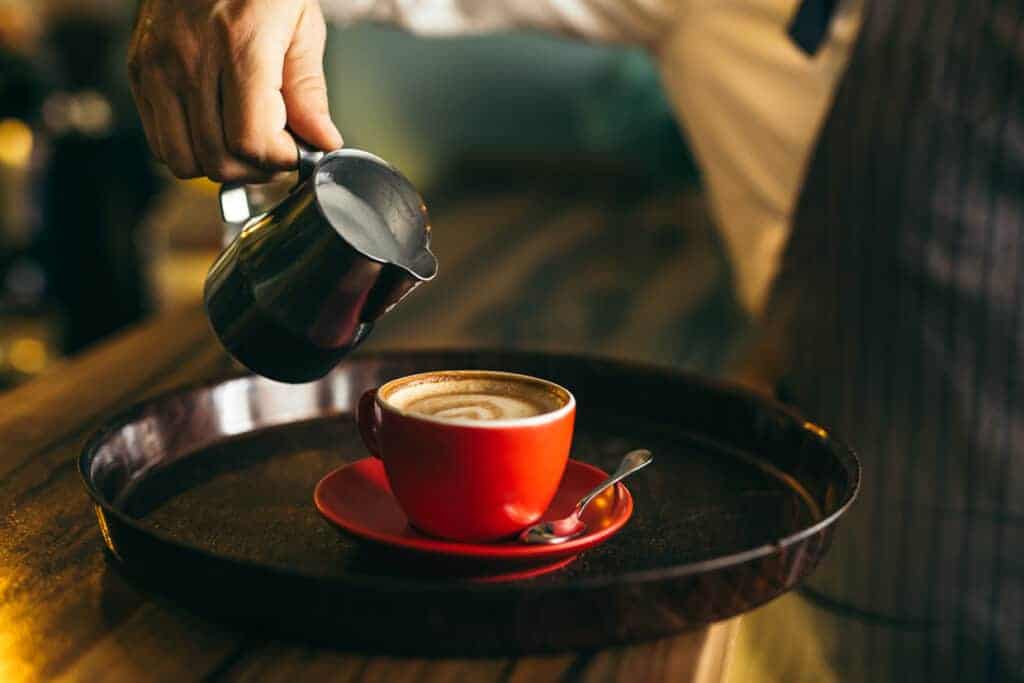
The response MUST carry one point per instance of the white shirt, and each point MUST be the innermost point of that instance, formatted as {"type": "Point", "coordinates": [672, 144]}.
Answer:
{"type": "Point", "coordinates": [750, 101]}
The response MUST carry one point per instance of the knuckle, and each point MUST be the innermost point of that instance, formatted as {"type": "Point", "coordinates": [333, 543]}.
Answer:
{"type": "Point", "coordinates": [169, 51]}
{"type": "Point", "coordinates": [307, 95]}
{"type": "Point", "coordinates": [152, 62]}
{"type": "Point", "coordinates": [309, 83]}
{"type": "Point", "coordinates": [248, 145]}
{"type": "Point", "coordinates": [154, 53]}
{"type": "Point", "coordinates": [142, 58]}
{"type": "Point", "coordinates": [222, 170]}
{"type": "Point", "coordinates": [232, 26]}
{"type": "Point", "coordinates": [168, 55]}
{"type": "Point", "coordinates": [223, 22]}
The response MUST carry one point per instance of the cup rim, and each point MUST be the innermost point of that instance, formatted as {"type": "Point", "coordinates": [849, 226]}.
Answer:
{"type": "Point", "coordinates": [531, 421]}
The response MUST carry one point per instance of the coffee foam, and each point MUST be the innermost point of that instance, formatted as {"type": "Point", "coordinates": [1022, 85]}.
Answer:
{"type": "Point", "coordinates": [475, 398]}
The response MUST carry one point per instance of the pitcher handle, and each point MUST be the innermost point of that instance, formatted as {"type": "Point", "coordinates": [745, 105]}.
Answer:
{"type": "Point", "coordinates": [309, 157]}
{"type": "Point", "coordinates": [235, 207]}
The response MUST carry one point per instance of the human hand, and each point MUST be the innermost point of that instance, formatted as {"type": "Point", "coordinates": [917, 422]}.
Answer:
{"type": "Point", "coordinates": [220, 83]}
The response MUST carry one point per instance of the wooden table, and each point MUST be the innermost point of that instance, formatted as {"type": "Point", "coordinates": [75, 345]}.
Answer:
{"type": "Point", "coordinates": [609, 270]}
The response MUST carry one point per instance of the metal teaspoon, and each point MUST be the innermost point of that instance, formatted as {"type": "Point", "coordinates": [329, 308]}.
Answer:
{"type": "Point", "coordinates": [561, 530]}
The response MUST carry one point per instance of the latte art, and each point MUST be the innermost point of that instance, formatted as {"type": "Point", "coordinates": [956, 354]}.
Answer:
{"type": "Point", "coordinates": [474, 407]}
{"type": "Point", "coordinates": [476, 397]}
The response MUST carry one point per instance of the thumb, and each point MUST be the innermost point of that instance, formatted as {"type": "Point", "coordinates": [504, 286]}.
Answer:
{"type": "Point", "coordinates": [304, 88]}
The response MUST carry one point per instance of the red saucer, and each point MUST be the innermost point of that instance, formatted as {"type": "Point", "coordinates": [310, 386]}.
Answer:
{"type": "Point", "coordinates": [357, 499]}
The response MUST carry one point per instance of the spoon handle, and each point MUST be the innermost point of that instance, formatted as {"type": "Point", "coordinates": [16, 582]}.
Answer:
{"type": "Point", "coordinates": [631, 462]}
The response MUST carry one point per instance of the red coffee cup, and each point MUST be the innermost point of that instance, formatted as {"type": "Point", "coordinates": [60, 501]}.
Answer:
{"type": "Point", "coordinates": [469, 479]}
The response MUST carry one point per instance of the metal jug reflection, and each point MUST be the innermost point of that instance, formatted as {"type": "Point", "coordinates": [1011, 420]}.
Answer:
{"type": "Point", "coordinates": [302, 284]}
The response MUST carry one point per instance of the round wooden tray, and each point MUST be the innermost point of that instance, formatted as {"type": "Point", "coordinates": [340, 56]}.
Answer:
{"type": "Point", "coordinates": [205, 495]}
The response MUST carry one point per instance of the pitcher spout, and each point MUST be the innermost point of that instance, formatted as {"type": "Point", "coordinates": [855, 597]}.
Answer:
{"type": "Point", "coordinates": [424, 265]}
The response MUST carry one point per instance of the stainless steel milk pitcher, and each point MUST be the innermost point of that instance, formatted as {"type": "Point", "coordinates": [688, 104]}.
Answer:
{"type": "Point", "coordinates": [301, 284]}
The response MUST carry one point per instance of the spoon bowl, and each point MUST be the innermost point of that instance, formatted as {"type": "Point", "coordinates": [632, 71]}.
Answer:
{"type": "Point", "coordinates": [567, 528]}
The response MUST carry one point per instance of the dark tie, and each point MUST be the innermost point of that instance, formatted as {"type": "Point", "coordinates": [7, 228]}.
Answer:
{"type": "Point", "coordinates": [810, 24]}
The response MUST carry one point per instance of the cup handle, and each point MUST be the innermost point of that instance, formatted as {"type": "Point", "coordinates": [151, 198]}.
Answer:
{"type": "Point", "coordinates": [368, 420]}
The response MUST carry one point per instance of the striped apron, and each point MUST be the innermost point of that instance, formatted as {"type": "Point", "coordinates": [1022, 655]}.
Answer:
{"type": "Point", "coordinates": [899, 299]}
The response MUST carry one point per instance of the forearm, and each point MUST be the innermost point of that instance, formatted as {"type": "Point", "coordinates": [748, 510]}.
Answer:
{"type": "Point", "coordinates": [640, 22]}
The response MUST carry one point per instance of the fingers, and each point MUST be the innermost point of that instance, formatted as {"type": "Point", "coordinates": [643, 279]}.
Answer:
{"type": "Point", "coordinates": [135, 81]}
{"type": "Point", "coordinates": [172, 134]}
{"type": "Point", "coordinates": [304, 87]}
{"type": "Point", "coordinates": [206, 78]}
{"type": "Point", "coordinates": [218, 85]}
{"type": "Point", "coordinates": [206, 131]}
{"type": "Point", "coordinates": [253, 108]}
{"type": "Point", "coordinates": [152, 73]}
{"type": "Point", "coordinates": [148, 123]}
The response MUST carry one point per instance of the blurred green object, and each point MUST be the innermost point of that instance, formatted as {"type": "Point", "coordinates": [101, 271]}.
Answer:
{"type": "Point", "coordinates": [424, 104]}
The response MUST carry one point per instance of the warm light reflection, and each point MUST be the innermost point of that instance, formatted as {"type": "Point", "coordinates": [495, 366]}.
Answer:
{"type": "Point", "coordinates": [105, 531]}
{"type": "Point", "coordinates": [15, 142]}
{"type": "Point", "coordinates": [203, 185]}
{"type": "Point", "coordinates": [27, 355]}
{"type": "Point", "coordinates": [13, 666]}
{"type": "Point", "coordinates": [811, 427]}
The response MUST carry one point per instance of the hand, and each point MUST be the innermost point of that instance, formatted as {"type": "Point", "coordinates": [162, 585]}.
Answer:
{"type": "Point", "coordinates": [218, 83]}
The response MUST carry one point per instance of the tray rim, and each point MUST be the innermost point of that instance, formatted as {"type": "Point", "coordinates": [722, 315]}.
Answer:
{"type": "Point", "coordinates": [722, 386]}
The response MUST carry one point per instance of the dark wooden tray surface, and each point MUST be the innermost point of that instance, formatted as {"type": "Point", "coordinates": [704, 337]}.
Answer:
{"type": "Point", "coordinates": [738, 508]}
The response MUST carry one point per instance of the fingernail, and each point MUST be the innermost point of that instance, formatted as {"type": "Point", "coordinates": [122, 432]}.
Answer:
{"type": "Point", "coordinates": [337, 133]}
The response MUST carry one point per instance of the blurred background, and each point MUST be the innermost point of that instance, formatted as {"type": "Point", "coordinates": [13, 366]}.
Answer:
{"type": "Point", "coordinates": [94, 236]}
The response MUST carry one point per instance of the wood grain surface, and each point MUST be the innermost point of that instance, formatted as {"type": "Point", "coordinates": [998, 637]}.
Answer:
{"type": "Point", "coordinates": [589, 267]}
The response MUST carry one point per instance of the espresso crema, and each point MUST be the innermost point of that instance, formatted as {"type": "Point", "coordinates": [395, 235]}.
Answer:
{"type": "Point", "coordinates": [478, 397]}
